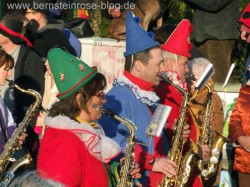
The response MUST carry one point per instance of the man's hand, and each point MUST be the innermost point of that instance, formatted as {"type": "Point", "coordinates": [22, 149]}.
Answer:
{"type": "Point", "coordinates": [165, 166]}
{"type": "Point", "coordinates": [186, 131]}
{"type": "Point", "coordinates": [244, 141]}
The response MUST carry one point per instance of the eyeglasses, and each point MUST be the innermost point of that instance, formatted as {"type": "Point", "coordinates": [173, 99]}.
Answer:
{"type": "Point", "coordinates": [100, 94]}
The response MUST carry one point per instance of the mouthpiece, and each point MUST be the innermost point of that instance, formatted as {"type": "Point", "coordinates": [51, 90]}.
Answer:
{"type": "Point", "coordinates": [165, 78]}
{"type": "Point", "coordinates": [12, 84]}
{"type": "Point", "coordinates": [190, 76]}
{"type": "Point", "coordinates": [108, 112]}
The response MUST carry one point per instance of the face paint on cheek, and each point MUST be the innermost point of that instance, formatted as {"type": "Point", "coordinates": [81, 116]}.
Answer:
{"type": "Point", "coordinates": [96, 107]}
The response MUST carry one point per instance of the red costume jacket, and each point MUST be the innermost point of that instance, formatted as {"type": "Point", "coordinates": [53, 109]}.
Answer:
{"type": "Point", "coordinates": [170, 96]}
{"type": "Point", "coordinates": [71, 163]}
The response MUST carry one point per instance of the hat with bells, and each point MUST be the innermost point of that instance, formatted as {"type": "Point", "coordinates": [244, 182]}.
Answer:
{"type": "Point", "coordinates": [137, 39]}
{"type": "Point", "coordinates": [178, 42]}
{"type": "Point", "coordinates": [69, 72]}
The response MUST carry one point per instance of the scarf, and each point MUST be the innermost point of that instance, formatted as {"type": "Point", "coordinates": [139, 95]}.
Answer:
{"type": "Point", "coordinates": [142, 90]}
{"type": "Point", "coordinates": [92, 135]}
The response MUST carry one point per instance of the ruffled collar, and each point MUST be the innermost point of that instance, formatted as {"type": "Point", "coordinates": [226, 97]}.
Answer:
{"type": "Point", "coordinates": [142, 90]}
{"type": "Point", "coordinates": [175, 78]}
{"type": "Point", "coordinates": [98, 145]}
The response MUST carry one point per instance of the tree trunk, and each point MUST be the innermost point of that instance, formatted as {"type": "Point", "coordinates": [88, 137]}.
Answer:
{"type": "Point", "coordinates": [95, 17]}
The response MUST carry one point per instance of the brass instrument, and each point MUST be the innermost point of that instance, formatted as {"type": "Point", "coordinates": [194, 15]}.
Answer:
{"type": "Point", "coordinates": [208, 168]}
{"type": "Point", "coordinates": [125, 179]}
{"type": "Point", "coordinates": [205, 138]}
{"type": "Point", "coordinates": [177, 144]}
{"type": "Point", "coordinates": [9, 175]}
{"type": "Point", "coordinates": [13, 143]}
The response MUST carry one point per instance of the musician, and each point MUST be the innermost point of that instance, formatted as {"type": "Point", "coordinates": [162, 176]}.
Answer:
{"type": "Point", "coordinates": [132, 96]}
{"type": "Point", "coordinates": [74, 150]}
{"type": "Point", "coordinates": [176, 52]}
{"type": "Point", "coordinates": [198, 107]}
{"type": "Point", "coordinates": [7, 122]}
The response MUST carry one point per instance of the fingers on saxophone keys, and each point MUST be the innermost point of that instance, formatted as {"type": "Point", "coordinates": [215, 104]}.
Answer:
{"type": "Point", "coordinates": [186, 131]}
{"type": "Point", "coordinates": [169, 168]}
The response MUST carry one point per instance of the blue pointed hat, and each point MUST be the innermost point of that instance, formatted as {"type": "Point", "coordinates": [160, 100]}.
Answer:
{"type": "Point", "coordinates": [137, 39]}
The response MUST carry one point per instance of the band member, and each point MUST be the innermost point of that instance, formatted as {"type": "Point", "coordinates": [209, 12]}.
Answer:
{"type": "Point", "coordinates": [74, 150]}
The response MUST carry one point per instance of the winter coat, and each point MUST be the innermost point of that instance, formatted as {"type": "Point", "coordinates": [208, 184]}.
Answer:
{"type": "Point", "coordinates": [215, 20]}
{"type": "Point", "coordinates": [239, 125]}
{"type": "Point", "coordinates": [198, 106]}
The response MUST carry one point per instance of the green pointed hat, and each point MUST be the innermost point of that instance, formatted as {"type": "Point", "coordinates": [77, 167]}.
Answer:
{"type": "Point", "coordinates": [70, 73]}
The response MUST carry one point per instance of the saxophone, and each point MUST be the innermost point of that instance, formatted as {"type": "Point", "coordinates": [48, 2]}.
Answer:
{"type": "Point", "coordinates": [205, 138]}
{"type": "Point", "coordinates": [9, 175]}
{"type": "Point", "coordinates": [128, 163]}
{"type": "Point", "coordinates": [177, 144]}
{"type": "Point", "coordinates": [208, 168]}
{"type": "Point", "coordinates": [13, 143]}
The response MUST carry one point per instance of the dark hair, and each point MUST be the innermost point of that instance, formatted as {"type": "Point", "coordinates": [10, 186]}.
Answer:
{"type": "Point", "coordinates": [69, 106]}
{"type": "Point", "coordinates": [5, 58]}
{"type": "Point", "coordinates": [143, 56]}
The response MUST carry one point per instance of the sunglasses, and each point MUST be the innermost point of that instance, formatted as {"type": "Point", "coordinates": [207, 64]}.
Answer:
{"type": "Point", "coordinates": [100, 94]}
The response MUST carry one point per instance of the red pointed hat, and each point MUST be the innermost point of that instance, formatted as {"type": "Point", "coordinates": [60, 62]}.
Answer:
{"type": "Point", "coordinates": [178, 42]}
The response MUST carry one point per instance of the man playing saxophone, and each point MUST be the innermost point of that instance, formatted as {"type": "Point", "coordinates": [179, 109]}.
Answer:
{"type": "Point", "coordinates": [133, 97]}
{"type": "Point", "coordinates": [176, 51]}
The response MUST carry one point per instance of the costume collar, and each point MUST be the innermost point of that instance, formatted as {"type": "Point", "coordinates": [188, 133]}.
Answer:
{"type": "Point", "coordinates": [144, 94]}
{"type": "Point", "coordinates": [175, 78]}
{"type": "Point", "coordinates": [98, 145]}
{"type": "Point", "coordinates": [142, 84]}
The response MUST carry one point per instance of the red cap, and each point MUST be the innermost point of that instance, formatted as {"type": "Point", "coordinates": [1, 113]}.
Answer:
{"type": "Point", "coordinates": [244, 18]}
{"type": "Point", "coordinates": [178, 42]}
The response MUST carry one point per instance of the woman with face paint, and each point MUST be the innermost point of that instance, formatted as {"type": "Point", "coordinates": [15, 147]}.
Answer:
{"type": "Point", "coordinates": [74, 149]}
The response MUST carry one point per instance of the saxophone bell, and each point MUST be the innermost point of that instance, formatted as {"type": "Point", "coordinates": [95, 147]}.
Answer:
{"type": "Point", "coordinates": [12, 144]}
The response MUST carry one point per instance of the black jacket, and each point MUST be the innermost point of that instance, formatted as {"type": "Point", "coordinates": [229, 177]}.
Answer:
{"type": "Point", "coordinates": [215, 19]}
{"type": "Point", "coordinates": [29, 74]}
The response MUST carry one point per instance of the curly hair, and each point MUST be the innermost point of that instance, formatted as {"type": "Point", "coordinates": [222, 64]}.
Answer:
{"type": "Point", "coordinates": [69, 106]}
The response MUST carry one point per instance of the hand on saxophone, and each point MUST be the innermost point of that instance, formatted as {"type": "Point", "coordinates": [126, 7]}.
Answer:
{"type": "Point", "coordinates": [21, 139]}
{"type": "Point", "coordinates": [136, 175]}
{"type": "Point", "coordinates": [165, 166]}
{"type": "Point", "coordinates": [186, 131]}
{"type": "Point", "coordinates": [205, 152]}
